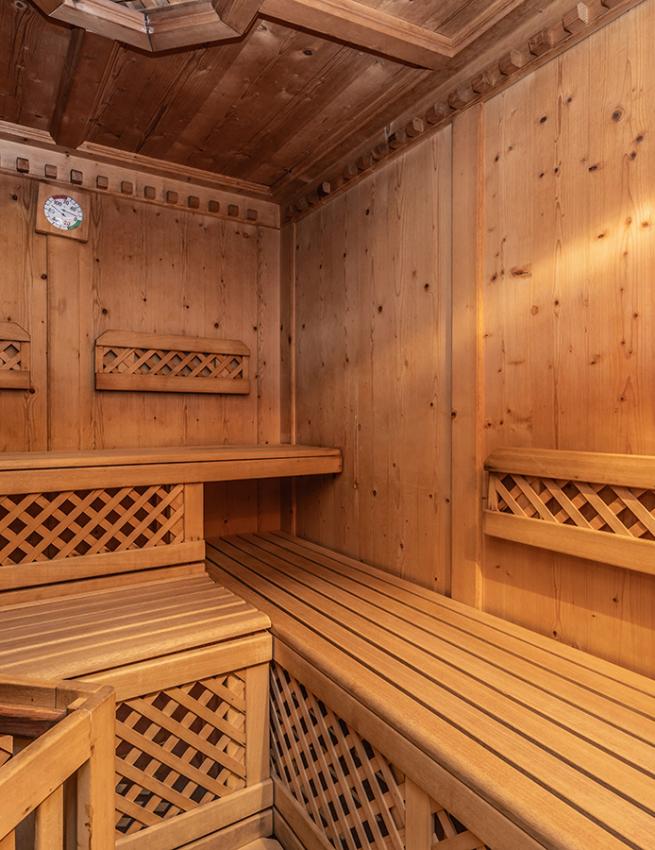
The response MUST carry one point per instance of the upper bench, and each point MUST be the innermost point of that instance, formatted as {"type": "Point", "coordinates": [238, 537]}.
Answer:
{"type": "Point", "coordinates": [530, 743]}
{"type": "Point", "coordinates": [30, 472]}
{"type": "Point", "coordinates": [66, 516]}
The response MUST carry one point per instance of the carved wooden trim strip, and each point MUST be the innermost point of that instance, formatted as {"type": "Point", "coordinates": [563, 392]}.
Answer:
{"type": "Point", "coordinates": [33, 154]}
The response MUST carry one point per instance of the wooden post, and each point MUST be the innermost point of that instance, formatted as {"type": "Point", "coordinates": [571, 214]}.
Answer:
{"type": "Point", "coordinates": [194, 520]}
{"type": "Point", "coordinates": [95, 781]}
{"type": "Point", "coordinates": [257, 724]}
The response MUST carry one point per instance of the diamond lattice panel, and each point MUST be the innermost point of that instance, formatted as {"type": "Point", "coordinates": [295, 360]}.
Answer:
{"type": "Point", "coordinates": [179, 748]}
{"type": "Point", "coordinates": [47, 526]}
{"type": "Point", "coordinates": [629, 512]}
{"type": "Point", "coordinates": [172, 364]}
{"type": "Point", "coordinates": [353, 794]}
{"type": "Point", "coordinates": [11, 355]}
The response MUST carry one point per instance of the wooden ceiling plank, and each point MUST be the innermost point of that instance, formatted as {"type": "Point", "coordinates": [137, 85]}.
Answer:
{"type": "Point", "coordinates": [167, 138]}
{"type": "Point", "coordinates": [331, 73]}
{"type": "Point", "coordinates": [28, 83]}
{"type": "Point", "coordinates": [86, 73]}
{"type": "Point", "coordinates": [123, 119]}
{"type": "Point", "coordinates": [364, 27]}
{"type": "Point", "coordinates": [263, 45]}
{"type": "Point", "coordinates": [330, 94]}
{"type": "Point", "coordinates": [269, 101]}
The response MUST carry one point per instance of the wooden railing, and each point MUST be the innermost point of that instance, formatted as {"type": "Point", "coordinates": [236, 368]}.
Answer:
{"type": "Point", "coordinates": [51, 734]}
{"type": "Point", "coordinates": [590, 505]}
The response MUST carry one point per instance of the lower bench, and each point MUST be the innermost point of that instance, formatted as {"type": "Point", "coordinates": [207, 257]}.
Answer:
{"type": "Point", "coordinates": [402, 719]}
{"type": "Point", "coordinates": [189, 664]}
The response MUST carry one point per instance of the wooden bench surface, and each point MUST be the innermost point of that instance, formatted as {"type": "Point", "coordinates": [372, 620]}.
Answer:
{"type": "Point", "coordinates": [558, 741]}
{"type": "Point", "coordinates": [29, 472]}
{"type": "Point", "coordinates": [87, 632]}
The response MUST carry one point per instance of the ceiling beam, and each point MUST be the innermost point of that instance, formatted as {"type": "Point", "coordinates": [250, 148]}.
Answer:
{"type": "Point", "coordinates": [187, 24]}
{"type": "Point", "coordinates": [238, 14]}
{"type": "Point", "coordinates": [88, 65]}
{"type": "Point", "coordinates": [364, 27]}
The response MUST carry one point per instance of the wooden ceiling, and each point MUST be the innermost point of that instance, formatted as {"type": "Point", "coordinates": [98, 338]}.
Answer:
{"type": "Point", "coordinates": [279, 105]}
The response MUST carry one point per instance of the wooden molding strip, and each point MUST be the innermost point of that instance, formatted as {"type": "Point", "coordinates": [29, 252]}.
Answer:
{"type": "Point", "coordinates": [105, 171]}
{"type": "Point", "coordinates": [136, 339]}
{"type": "Point", "coordinates": [595, 467]}
{"type": "Point", "coordinates": [628, 552]}
{"type": "Point", "coordinates": [578, 23]}
{"type": "Point", "coordinates": [364, 27]}
{"type": "Point", "coordinates": [109, 563]}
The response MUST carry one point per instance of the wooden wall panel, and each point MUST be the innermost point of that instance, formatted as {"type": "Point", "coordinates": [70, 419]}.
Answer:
{"type": "Point", "coordinates": [372, 272]}
{"type": "Point", "coordinates": [23, 299]}
{"type": "Point", "coordinates": [567, 258]}
{"type": "Point", "coordinates": [147, 269]}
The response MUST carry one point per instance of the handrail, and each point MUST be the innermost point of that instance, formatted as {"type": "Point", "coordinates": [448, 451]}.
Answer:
{"type": "Point", "coordinates": [628, 470]}
{"type": "Point", "coordinates": [591, 505]}
{"type": "Point", "coordinates": [81, 745]}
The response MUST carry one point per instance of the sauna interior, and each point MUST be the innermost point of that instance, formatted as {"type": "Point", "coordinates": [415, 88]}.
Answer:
{"type": "Point", "coordinates": [327, 425]}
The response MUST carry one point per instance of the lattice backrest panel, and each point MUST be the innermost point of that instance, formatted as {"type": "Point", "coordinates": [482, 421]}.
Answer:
{"type": "Point", "coordinates": [598, 507]}
{"type": "Point", "coordinates": [585, 504]}
{"type": "Point", "coordinates": [14, 356]}
{"type": "Point", "coordinates": [145, 362]}
{"type": "Point", "coordinates": [351, 792]}
{"type": "Point", "coordinates": [179, 748]}
{"type": "Point", "coordinates": [50, 526]}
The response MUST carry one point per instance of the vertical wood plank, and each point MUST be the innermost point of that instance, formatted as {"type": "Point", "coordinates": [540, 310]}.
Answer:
{"type": "Point", "coordinates": [257, 724]}
{"type": "Point", "coordinates": [467, 448]}
{"type": "Point", "coordinates": [23, 298]}
{"type": "Point", "coordinates": [287, 277]}
{"type": "Point", "coordinates": [194, 512]}
{"type": "Point", "coordinates": [268, 368]}
{"type": "Point", "coordinates": [49, 822]}
{"type": "Point", "coordinates": [70, 345]}
{"type": "Point", "coordinates": [418, 818]}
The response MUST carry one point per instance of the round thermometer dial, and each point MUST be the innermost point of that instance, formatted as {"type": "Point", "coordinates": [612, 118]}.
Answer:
{"type": "Point", "coordinates": [63, 212]}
